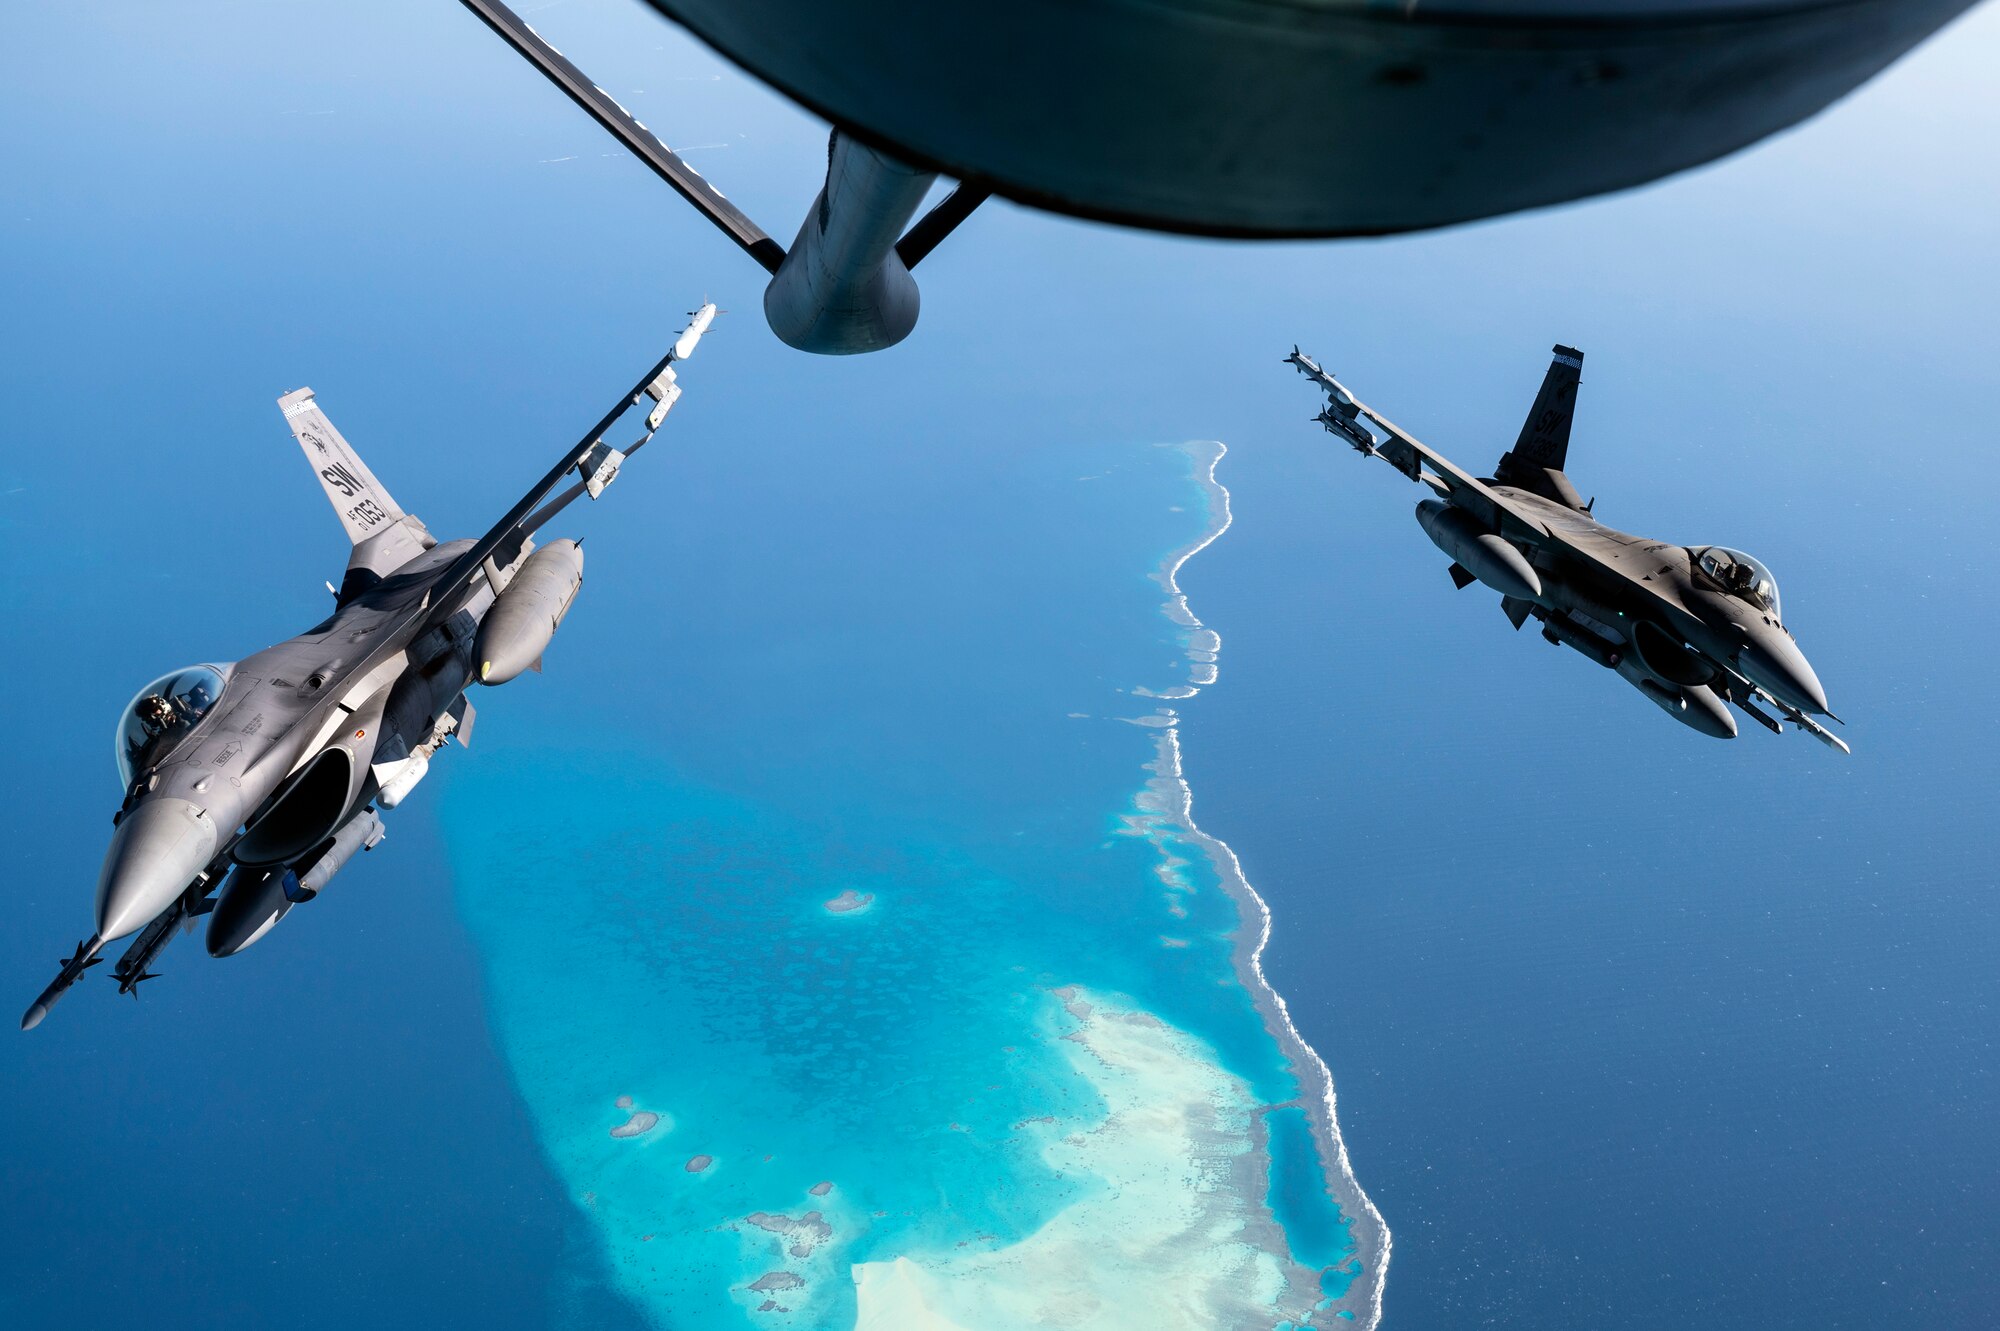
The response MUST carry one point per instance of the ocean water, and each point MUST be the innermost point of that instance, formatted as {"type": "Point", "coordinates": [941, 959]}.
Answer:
{"type": "Point", "coordinates": [956, 1027]}
{"type": "Point", "coordinates": [1632, 1027]}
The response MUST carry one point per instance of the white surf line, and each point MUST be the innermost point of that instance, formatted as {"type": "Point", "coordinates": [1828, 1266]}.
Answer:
{"type": "Point", "coordinates": [1168, 575]}
{"type": "Point", "coordinates": [1373, 1242]}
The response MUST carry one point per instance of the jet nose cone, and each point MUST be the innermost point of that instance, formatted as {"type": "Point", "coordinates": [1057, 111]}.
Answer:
{"type": "Point", "coordinates": [157, 850]}
{"type": "Point", "coordinates": [1783, 669]}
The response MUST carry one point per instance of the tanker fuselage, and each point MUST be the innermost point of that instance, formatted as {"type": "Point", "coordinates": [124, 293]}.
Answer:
{"type": "Point", "coordinates": [1311, 119]}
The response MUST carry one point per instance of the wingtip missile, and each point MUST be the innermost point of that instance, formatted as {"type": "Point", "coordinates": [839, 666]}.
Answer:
{"type": "Point", "coordinates": [691, 335]}
{"type": "Point", "coordinates": [1823, 735]}
{"type": "Point", "coordinates": [1797, 718]}
{"type": "Point", "coordinates": [71, 969]}
{"type": "Point", "coordinates": [1343, 411]}
{"type": "Point", "coordinates": [1306, 365]}
{"type": "Point", "coordinates": [1348, 428]}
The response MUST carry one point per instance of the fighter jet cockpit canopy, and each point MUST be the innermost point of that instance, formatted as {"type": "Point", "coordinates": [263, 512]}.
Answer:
{"type": "Point", "coordinates": [1740, 576]}
{"type": "Point", "coordinates": [162, 714]}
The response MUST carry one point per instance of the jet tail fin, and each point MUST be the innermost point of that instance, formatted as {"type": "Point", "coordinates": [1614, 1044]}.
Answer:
{"type": "Point", "coordinates": [1544, 439]}
{"type": "Point", "coordinates": [364, 507]}
{"type": "Point", "coordinates": [1535, 463]}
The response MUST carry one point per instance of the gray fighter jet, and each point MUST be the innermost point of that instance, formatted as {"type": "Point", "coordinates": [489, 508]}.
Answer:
{"type": "Point", "coordinates": [249, 785]}
{"type": "Point", "coordinates": [1692, 627]}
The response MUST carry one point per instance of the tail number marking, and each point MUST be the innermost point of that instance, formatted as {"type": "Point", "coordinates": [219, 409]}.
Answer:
{"type": "Point", "coordinates": [368, 513]}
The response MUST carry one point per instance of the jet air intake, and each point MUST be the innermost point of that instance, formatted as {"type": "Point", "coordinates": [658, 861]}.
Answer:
{"type": "Point", "coordinates": [1670, 658]}
{"type": "Point", "coordinates": [1484, 554]}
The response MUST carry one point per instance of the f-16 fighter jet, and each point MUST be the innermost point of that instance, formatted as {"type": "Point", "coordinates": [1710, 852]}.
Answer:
{"type": "Point", "coordinates": [1692, 627]}
{"type": "Point", "coordinates": [249, 785]}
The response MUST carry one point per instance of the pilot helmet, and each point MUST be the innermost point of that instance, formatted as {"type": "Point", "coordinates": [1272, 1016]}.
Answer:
{"type": "Point", "coordinates": [155, 712]}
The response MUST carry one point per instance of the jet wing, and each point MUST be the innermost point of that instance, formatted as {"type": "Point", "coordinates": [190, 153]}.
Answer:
{"type": "Point", "coordinates": [446, 593]}
{"type": "Point", "coordinates": [1514, 520]}
{"type": "Point", "coordinates": [1423, 464]}
{"type": "Point", "coordinates": [541, 503]}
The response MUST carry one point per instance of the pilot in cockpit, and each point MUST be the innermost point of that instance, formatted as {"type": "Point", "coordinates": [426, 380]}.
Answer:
{"type": "Point", "coordinates": [156, 714]}
{"type": "Point", "coordinates": [1739, 575]}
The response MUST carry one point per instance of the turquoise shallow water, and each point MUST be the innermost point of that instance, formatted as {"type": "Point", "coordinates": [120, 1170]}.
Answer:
{"type": "Point", "coordinates": [1028, 1046]}
{"type": "Point", "coordinates": [1298, 1188]}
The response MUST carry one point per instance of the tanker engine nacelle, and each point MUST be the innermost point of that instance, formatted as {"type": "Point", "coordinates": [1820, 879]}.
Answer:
{"type": "Point", "coordinates": [518, 626]}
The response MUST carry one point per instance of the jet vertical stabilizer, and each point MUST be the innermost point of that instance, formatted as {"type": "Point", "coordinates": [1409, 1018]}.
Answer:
{"type": "Point", "coordinates": [1535, 463]}
{"type": "Point", "coordinates": [363, 503]}
{"type": "Point", "coordinates": [383, 535]}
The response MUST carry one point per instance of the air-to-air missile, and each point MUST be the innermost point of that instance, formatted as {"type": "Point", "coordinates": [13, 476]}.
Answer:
{"type": "Point", "coordinates": [249, 785]}
{"type": "Point", "coordinates": [1693, 628]}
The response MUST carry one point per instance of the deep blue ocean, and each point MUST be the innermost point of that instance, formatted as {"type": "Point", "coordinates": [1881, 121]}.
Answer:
{"type": "Point", "coordinates": [1630, 1028]}
{"type": "Point", "coordinates": [1646, 1028]}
